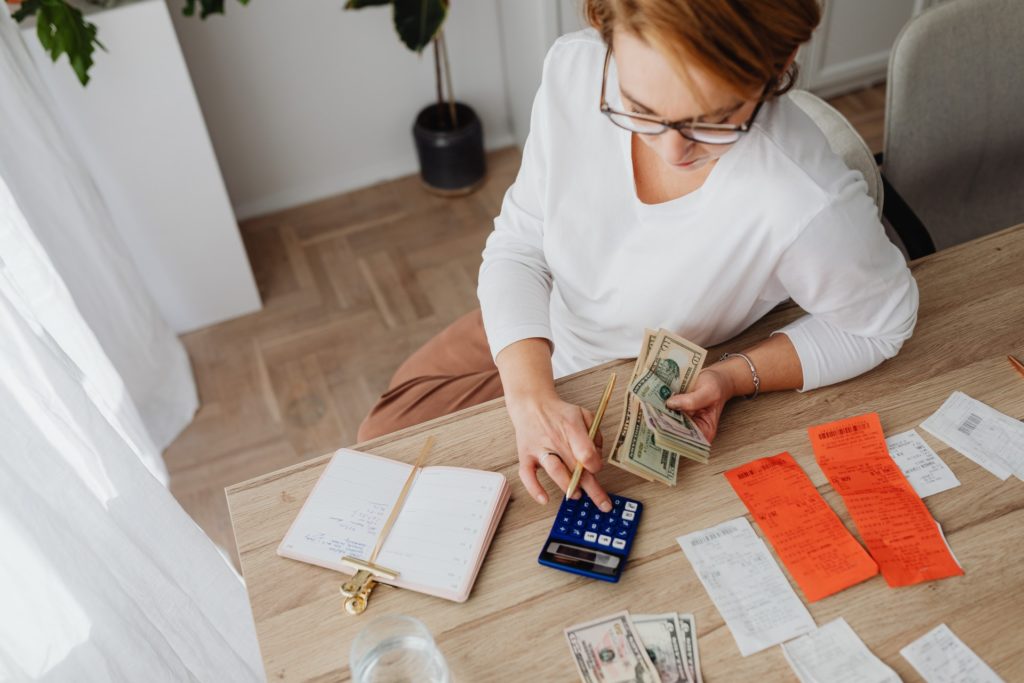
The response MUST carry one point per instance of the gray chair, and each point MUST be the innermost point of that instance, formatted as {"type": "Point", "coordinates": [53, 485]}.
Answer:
{"type": "Point", "coordinates": [954, 122]}
{"type": "Point", "coordinates": [844, 140]}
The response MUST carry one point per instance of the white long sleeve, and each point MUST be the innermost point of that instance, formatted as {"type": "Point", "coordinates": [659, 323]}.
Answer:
{"type": "Point", "coordinates": [578, 259]}
{"type": "Point", "coordinates": [860, 297]}
{"type": "Point", "coordinates": [515, 281]}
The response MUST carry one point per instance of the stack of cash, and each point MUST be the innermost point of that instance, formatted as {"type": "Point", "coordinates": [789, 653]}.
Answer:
{"type": "Point", "coordinates": [638, 648]}
{"type": "Point", "coordinates": [651, 436]}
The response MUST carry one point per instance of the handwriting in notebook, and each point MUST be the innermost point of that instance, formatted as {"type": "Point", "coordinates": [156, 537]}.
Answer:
{"type": "Point", "coordinates": [438, 539]}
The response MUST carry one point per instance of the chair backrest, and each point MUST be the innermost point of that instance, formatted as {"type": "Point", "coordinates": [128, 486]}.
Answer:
{"type": "Point", "coordinates": [844, 140]}
{"type": "Point", "coordinates": [954, 120]}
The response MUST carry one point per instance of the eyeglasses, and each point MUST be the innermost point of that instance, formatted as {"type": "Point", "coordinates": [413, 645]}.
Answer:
{"type": "Point", "coordinates": [697, 131]}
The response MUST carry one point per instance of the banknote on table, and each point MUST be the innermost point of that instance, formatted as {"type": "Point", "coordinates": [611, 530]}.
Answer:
{"type": "Point", "coordinates": [651, 437]}
{"type": "Point", "coordinates": [661, 637]}
{"type": "Point", "coordinates": [688, 634]}
{"type": "Point", "coordinates": [609, 650]}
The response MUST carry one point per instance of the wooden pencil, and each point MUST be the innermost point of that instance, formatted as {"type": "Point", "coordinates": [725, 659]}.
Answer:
{"type": "Point", "coordinates": [594, 426]}
{"type": "Point", "coordinates": [1017, 365]}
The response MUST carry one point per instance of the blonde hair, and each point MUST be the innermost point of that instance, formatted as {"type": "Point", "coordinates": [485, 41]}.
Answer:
{"type": "Point", "coordinates": [744, 43]}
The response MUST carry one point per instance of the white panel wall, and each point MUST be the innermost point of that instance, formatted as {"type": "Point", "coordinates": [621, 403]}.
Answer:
{"type": "Point", "coordinates": [850, 48]}
{"type": "Point", "coordinates": [304, 100]}
{"type": "Point", "coordinates": [140, 130]}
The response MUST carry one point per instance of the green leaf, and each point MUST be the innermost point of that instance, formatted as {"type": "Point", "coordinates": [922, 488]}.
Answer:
{"type": "Point", "coordinates": [417, 21]}
{"type": "Point", "coordinates": [27, 9]}
{"type": "Point", "coordinates": [63, 30]}
{"type": "Point", "coordinates": [359, 4]}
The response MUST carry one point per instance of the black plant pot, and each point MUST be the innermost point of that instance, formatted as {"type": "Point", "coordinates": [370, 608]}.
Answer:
{"type": "Point", "coordinates": [451, 158]}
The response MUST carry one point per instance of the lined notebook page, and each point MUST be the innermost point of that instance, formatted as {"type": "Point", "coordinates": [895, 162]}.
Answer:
{"type": "Point", "coordinates": [438, 537]}
{"type": "Point", "coordinates": [435, 544]}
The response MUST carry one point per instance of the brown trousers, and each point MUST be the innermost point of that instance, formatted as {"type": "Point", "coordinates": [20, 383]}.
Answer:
{"type": "Point", "coordinates": [452, 371]}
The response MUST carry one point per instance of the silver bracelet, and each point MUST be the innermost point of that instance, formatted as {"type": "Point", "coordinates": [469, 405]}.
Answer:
{"type": "Point", "coordinates": [753, 372]}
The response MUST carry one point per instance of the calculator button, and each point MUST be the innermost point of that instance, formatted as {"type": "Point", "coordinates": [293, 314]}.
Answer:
{"type": "Point", "coordinates": [563, 528]}
{"type": "Point", "coordinates": [577, 532]}
{"type": "Point", "coordinates": [604, 540]}
{"type": "Point", "coordinates": [631, 506]}
{"type": "Point", "coordinates": [586, 504]}
{"type": "Point", "coordinates": [623, 532]}
{"type": "Point", "coordinates": [566, 519]}
{"type": "Point", "coordinates": [609, 529]}
{"type": "Point", "coordinates": [580, 522]}
{"type": "Point", "coordinates": [590, 536]}
{"type": "Point", "coordinates": [583, 513]}
{"type": "Point", "coordinates": [627, 515]}
{"type": "Point", "coordinates": [618, 502]}
{"type": "Point", "coordinates": [597, 515]}
{"type": "Point", "coordinates": [594, 526]}
{"type": "Point", "coordinates": [618, 544]}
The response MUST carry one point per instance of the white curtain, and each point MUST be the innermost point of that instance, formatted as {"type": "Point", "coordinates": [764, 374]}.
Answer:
{"type": "Point", "coordinates": [103, 577]}
{"type": "Point", "coordinates": [61, 203]}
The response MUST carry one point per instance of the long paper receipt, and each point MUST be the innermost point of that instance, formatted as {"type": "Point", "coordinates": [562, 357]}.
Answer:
{"type": "Point", "coordinates": [893, 521]}
{"type": "Point", "coordinates": [835, 654]}
{"type": "Point", "coordinates": [940, 657]}
{"type": "Point", "coordinates": [746, 585]}
{"type": "Point", "coordinates": [820, 553]}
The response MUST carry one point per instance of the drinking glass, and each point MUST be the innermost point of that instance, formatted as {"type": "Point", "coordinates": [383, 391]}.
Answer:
{"type": "Point", "coordinates": [397, 649]}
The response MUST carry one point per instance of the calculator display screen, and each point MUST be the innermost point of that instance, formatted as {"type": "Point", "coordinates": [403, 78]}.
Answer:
{"type": "Point", "coordinates": [582, 558]}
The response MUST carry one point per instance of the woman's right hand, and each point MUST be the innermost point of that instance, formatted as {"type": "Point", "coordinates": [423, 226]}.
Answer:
{"type": "Point", "coordinates": [553, 435]}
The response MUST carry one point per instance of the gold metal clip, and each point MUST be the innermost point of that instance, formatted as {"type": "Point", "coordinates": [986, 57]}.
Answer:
{"type": "Point", "coordinates": [358, 588]}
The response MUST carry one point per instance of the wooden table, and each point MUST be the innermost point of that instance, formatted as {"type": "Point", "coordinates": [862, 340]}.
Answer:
{"type": "Point", "coordinates": [971, 317]}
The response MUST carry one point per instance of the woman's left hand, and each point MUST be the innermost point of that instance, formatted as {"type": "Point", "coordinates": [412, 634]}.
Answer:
{"type": "Point", "coordinates": [704, 403]}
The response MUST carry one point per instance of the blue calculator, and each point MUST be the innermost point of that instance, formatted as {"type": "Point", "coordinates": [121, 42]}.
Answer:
{"type": "Point", "coordinates": [589, 542]}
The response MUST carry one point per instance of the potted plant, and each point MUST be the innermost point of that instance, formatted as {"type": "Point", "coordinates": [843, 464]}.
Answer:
{"type": "Point", "coordinates": [448, 134]}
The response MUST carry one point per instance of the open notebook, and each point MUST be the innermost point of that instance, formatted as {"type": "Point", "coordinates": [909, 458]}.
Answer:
{"type": "Point", "coordinates": [438, 541]}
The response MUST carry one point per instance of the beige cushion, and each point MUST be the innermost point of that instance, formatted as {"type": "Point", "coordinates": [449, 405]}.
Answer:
{"type": "Point", "coordinates": [844, 140]}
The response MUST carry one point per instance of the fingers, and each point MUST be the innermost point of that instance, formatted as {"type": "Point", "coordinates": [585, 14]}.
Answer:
{"type": "Point", "coordinates": [556, 469]}
{"type": "Point", "coordinates": [707, 424]}
{"type": "Point", "coordinates": [701, 397]}
{"type": "Point", "coordinates": [528, 475]}
{"type": "Point", "coordinates": [583, 449]}
{"type": "Point", "coordinates": [597, 494]}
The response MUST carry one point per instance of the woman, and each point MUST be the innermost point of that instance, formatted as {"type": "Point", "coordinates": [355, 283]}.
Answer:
{"type": "Point", "coordinates": [666, 182]}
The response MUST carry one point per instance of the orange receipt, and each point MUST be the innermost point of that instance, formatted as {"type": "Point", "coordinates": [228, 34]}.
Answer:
{"type": "Point", "coordinates": [897, 528]}
{"type": "Point", "coordinates": [822, 556]}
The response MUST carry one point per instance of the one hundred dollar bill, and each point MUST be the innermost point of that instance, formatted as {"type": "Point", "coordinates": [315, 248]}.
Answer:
{"type": "Point", "coordinates": [660, 634]}
{"type": "Point", "coordinates": [609, 650]}
{"type": "Point", "coordinates": [688, 635]}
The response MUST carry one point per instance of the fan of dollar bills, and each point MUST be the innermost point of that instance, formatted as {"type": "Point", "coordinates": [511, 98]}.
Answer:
{"type": "Point", "coordinates": [652, 437]}
{"type": "Point", "coordinates": [636, 648]}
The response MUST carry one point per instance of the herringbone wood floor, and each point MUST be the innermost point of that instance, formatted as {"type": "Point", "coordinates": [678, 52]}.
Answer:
{"type": "Point", "coordinates": [351, 285]}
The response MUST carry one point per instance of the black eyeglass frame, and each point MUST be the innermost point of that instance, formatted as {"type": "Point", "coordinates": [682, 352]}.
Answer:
{"type": "Point", "coordinates": [679, 126]}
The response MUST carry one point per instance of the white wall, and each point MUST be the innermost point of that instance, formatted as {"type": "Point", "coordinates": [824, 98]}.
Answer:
{"type": "Point", "coordinates": [141, 134]}
{"type": "Point", "coordinates": [304, 100]}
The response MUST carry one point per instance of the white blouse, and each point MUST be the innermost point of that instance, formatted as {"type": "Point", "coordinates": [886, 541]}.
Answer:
{"type": "Point", "coordinates": [576, 258]}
